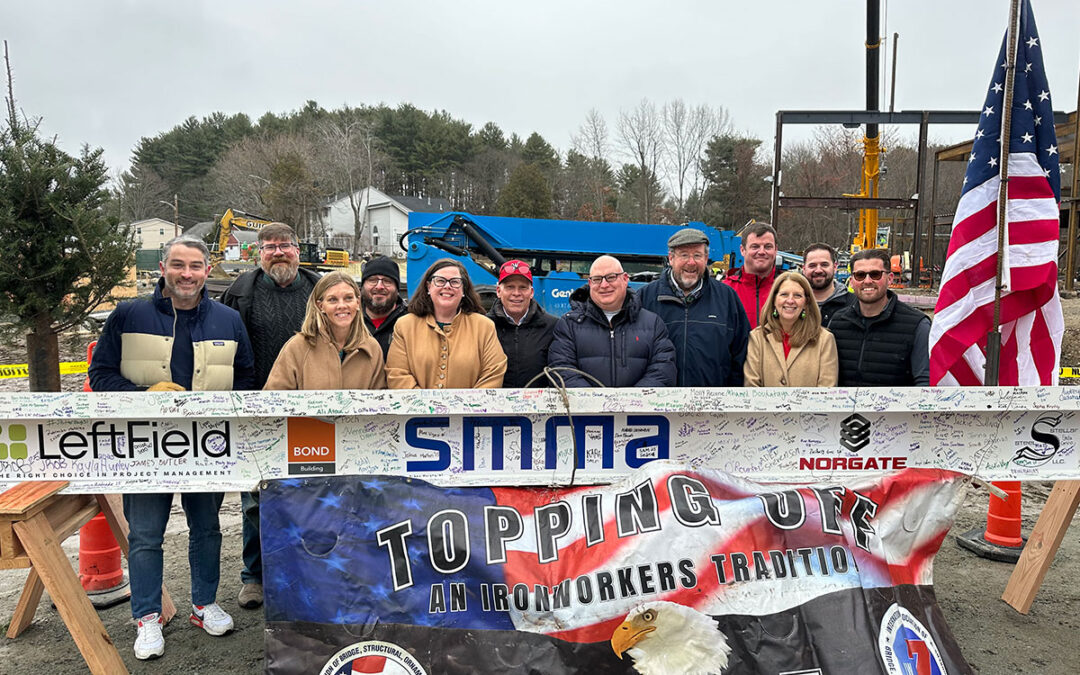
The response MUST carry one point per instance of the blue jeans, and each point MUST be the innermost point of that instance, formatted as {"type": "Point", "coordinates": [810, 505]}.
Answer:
{"type": "Point", "coordinates": [252, 572]}
{"type": "Point", "coordinates": [147, 516]}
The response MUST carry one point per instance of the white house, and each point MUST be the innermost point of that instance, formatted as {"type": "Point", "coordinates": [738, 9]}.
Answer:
{"type": "Point", "coordinates": [386, 217]}
{"type": "Point", "coordinates": [153, 232]}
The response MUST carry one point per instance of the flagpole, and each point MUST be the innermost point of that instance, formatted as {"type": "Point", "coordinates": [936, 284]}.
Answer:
{"type": "Point", "coordinates": [993, 339]}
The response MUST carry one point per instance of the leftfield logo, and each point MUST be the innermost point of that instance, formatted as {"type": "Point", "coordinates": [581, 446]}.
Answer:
{"type": "Point", "coordinates": [13, 442]}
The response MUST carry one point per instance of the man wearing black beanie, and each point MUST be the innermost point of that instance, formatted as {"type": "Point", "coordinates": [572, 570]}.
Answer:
{"type": "Point", "coordinates": [379, 295]}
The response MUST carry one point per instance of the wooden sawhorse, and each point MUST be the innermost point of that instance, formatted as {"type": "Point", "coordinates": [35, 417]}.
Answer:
{"type": "Point", "coordinates": [35, 519]}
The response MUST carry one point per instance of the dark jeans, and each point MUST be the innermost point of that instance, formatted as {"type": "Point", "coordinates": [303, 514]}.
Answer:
{"type": "Point", "coordinates": [147, 516]}
{"type": "Point", "coordinates": [252, 572]}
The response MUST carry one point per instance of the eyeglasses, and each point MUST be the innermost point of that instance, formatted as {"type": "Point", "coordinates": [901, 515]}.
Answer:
{"type": "Point", "coordinates": [274, 248]}
{"type": "Point", "coordinates": [374, 282]}
{"type": "Point", "coordinates": [610, 278]}
{"type": "Point", "coordinates": [684, 256]}
{"type": "Point", "coordinates": [873, 274]}
{"type": "Point", "coordinates": [440, 282]}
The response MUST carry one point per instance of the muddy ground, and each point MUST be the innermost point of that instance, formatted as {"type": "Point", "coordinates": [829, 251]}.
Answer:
{"type": "Point", "coordinates": [994, 638]}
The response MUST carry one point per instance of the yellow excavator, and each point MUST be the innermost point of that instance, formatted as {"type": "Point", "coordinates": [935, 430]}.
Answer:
{"type": "Point", "coordinates": [235, 219]}
{"type": "Point", "coordinates": [232, 220]}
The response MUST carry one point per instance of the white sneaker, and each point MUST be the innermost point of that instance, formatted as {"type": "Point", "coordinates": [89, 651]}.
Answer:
{"type": "Point", "coordinates": [212, 619]}
{"type": "Point", "coordinates": [149, 643]}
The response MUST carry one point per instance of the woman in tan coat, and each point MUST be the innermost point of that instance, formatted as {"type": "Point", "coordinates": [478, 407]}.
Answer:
{"type": "Point", "coordinates": [445, 341]}
{"type": "Point", "coordinates": [333, 349]}
{"type": "Point", "coordinates": [789, 348]}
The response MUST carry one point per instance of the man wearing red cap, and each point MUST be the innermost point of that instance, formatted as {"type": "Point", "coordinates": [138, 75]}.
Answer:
{"type": "Point", "coordinates": [524, 328]}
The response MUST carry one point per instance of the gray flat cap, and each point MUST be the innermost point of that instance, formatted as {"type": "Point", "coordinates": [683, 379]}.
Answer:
{"type": "Point", "coordinates": [687, 236]}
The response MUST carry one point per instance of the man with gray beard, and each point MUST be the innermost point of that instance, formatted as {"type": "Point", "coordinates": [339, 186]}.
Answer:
{"type": "Point", "coordinates": [271, 300]}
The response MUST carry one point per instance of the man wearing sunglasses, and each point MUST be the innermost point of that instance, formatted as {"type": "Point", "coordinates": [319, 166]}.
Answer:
{"type": "Point", "coordinates": [880, 341]}
{"type": "Point", "coordinates": [610, 336]}
{"type": "Point", "coordinates": [271, 300]}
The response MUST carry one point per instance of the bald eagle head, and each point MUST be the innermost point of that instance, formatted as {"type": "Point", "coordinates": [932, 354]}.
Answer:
{"type": "Point", "coordinates": [665, 638]}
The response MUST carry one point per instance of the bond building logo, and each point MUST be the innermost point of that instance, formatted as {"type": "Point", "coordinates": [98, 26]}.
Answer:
{"type": "Point", "coordinates": [855, 432]}
{"type": "Point", "coordinates": [13, 442]}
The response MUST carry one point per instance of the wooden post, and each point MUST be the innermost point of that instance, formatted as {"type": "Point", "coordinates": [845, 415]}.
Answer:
{"type": "Point", "coordinates": [1042, 545]}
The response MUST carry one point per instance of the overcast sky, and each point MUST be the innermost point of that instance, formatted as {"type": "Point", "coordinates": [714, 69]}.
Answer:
{"type": "Point", "coordinates": [107, 72]}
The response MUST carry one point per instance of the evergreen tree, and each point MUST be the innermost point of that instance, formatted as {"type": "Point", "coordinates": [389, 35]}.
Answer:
{"type": "Point", "coordinates": [64, 254]}
{"type": "Point", "coordinates": [526, 195]}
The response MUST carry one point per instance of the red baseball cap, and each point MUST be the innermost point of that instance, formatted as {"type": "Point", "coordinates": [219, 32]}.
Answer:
{"type": "Point", "coordinates": [512, 267]}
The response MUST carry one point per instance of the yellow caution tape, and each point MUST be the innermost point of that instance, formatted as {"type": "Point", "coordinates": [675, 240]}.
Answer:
{"type": "Point", "coordinates": [22, 370]}
{"type": "Point", "coordinates": [79, 367]}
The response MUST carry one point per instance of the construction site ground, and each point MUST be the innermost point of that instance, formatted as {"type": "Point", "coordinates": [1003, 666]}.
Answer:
{"type": "Point", "coordinates": [994, 638]}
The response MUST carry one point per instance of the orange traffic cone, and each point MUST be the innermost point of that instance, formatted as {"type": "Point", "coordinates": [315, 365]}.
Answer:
{"type": "Point", "coordinates": [99, 564]}
{"type": "Point", "coordinates": [99, 555]}
{"type": "Point", "coordinates": [1002, 539]}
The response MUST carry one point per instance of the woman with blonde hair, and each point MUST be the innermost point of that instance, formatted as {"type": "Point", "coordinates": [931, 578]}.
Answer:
{"type": "Point", "coordinates": [789, 348]}
{"type": "Point", "coordinates": [333, 349]}
{"type": "Point", "coordinates": [445, 341]}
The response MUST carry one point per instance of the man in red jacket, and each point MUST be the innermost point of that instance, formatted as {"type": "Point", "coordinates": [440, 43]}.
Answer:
{"type": "Point", "coordinates": [753, 281]}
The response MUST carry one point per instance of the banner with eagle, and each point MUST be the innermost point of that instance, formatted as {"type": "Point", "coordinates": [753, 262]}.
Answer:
{"type": "Point", "coordinates": [672, 571]}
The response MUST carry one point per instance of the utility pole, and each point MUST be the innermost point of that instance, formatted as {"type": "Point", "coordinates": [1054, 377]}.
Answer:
{"type": "Point", "coordinates": [176, 215]}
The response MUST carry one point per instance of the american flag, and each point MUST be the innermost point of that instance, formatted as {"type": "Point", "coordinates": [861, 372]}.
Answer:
{"type": "Point", "coordinates": [1031, 319]}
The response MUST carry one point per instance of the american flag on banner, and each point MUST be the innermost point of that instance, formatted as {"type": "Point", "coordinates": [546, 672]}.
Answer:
{"type": "Point", "coordinates": [669, 572]}
{"type": "Point", "coordinates": [1031, 319]}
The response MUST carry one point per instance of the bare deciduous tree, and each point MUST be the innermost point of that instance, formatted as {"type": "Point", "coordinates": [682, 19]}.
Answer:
{"type": "Point", "coordinates": [686, 133]}
{"type": "Point", "coordinates": [640, 133]}
{"type": "Point", "coordinates": [591, 141]}
{"type": "Point", "coordinates": [348, 158]}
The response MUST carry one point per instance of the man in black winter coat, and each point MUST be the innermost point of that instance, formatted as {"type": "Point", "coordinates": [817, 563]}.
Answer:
{"type": "Point", "coordinates": [704, 317]}
{"type": "Point", "coordinates": [610, 336]}
{"type": "Point", "coordinates": [524, 328]}
{"type": "Point", "coordinates": [271, 299]}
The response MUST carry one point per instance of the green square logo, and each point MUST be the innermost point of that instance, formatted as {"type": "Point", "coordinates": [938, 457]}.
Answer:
{"type": "Point", "coordinates": [15, 448]}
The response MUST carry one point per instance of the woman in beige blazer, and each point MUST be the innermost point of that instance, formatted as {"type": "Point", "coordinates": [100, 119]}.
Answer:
{"type": "Point", "coordinates": [789, 348]}
{"type": "Point", "coordinates": [445, 341]}
{"type": "Point", "coordinates": [333, 349]}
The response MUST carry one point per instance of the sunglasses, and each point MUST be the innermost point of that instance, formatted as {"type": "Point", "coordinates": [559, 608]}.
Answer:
{"type": "Point", "coordinates": [873, 274]}
{"type": "Point", "coordinates": [513, 267]}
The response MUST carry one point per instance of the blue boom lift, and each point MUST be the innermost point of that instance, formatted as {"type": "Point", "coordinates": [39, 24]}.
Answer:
{"type": "Point", "coordinates": [559, 251]}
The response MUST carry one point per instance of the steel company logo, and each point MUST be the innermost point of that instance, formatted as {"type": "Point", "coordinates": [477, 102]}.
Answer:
{"type": "Point", "coordinates": [386, 658]}
{"type": "Point", "coordinates": [1048, 442]}
{"type": "Point", "coordinates": [13, 442]}
{"type": "Point", "coordinates": [855, 432]}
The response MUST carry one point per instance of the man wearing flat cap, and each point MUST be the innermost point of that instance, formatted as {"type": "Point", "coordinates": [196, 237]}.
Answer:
{"type": "Point", "coordinates": [704, 317]}
{"type": "Point", "coordinates": [379, 280]}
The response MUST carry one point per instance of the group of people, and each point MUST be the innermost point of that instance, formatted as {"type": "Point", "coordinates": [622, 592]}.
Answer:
{"type": "Point", "coordinates": [282, 327]}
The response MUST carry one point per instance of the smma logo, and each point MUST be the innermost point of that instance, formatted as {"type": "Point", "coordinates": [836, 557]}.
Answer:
{"type": "Point", "coordinates": [13, 442]}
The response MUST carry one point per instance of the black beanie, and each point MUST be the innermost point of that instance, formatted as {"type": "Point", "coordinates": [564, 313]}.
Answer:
{"type": "Point", "coordinates": [381, 265]}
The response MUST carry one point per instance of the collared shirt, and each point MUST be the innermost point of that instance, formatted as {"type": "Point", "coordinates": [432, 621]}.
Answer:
{"type": "Point", "coordinates": [687, 296]}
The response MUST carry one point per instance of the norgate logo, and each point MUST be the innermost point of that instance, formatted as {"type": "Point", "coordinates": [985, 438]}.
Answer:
{"type": "Point", "coordinates": [128, 439]}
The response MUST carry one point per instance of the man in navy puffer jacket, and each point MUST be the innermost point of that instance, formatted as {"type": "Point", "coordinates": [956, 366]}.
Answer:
{"type": "Point", "coordinates": [608, 335]}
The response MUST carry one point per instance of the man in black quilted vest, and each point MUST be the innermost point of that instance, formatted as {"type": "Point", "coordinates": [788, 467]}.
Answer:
{"type": "Point", "coordinates": [881, 342]}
